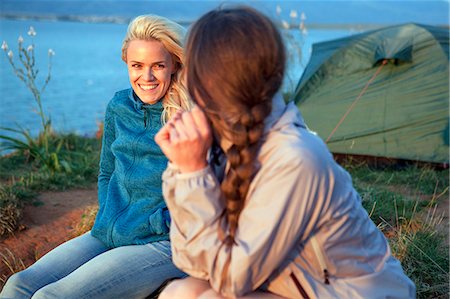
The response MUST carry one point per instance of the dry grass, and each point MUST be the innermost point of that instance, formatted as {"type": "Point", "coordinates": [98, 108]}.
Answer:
{"type": "Point", "coordinates": [9, 263]}
{"type": "Point", "coordinates": [87, 220]}
{"type": "Point", "coordinates": [10, 217]}
{"type": "Point", "coordinates": [424, 256]}
{"type": "Point", "coordinates": [10, 211]}
{"type": "Point", "coordinates": [410, 206]}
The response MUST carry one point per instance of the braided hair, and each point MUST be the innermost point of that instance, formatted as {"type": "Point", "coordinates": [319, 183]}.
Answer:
{"type": "Point", "coordinates": [235, 64]}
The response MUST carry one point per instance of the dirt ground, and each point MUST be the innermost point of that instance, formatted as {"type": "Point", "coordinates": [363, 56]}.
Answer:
{"type": "Point", "coordinates": [44, 227]}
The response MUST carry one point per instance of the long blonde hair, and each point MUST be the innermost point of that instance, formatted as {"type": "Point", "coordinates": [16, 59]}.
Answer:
{"type": "Point", "coordinates": [171, 35]}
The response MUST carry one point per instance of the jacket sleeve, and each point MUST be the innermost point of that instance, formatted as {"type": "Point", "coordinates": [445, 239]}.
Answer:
{"type": "Point", "coordinates": [106, 155]}
{"type": "Point", "coordinates": [282, 208]}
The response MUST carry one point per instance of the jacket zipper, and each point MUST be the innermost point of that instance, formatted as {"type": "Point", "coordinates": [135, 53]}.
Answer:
{"type": "Point", "coordinates": [145, 118]}
{"type": "Point", "coordinates": [299, 286]}
{"type": "Point", "coordinates": [320, 258]}
{"type": "Point", "coordinates": [124, 209]}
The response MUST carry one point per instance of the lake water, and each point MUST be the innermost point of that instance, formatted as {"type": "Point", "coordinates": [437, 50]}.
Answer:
{"type": "Point", "coordinates": [86, 71]}
{"type": "Point", "coordinates": [87, 68]}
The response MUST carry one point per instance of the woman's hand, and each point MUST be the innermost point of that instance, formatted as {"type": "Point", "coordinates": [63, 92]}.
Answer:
{"type": "Point", "coordinates": [186, 139]}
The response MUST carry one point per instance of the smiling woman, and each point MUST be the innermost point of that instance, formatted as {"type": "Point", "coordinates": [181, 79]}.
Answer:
{"type": "Point", "coordinates": [127, 253]}
{"type": "Point", "coordinates": [150, 67]}
{"type": "Point", "coordinates": [154, 64]}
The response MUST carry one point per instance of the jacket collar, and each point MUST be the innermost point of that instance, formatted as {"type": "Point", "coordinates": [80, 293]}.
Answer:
{"type": "Point", "coordinates": [282, 115]}
{"type": "Point", "coordinates": [139, 105]}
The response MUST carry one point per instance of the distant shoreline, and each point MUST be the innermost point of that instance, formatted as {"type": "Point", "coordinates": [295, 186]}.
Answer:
{"type": "Point", "coordinates": [126, 20]}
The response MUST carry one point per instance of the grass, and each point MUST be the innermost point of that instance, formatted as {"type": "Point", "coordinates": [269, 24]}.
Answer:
{"type": "Point", "coordinates": [23, 178]}
{"type": "Point", "coordinates": [12, 263]}
{"type": "Point", "coordinates": [424, 259]}
{"type": "Point", "coordinates": [10, 210]}
{"type": "Point", "coordinates": [87, 220]}
{"type": "Point", "coordinates": [81, 154]}
{"type": "Point", "coordinates": [402, 201]}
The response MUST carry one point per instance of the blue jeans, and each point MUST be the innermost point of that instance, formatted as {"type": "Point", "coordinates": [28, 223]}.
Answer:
{"type": "Point", "coordinates": [84, 268]}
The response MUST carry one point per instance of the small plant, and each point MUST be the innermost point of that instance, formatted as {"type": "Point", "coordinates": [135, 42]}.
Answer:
{"type": "Point", "coordinates": [9, 209]}
{"type": "Point", "coordinates": [87, 220]}
{"type": "Point", "coordinates": [36, 148]}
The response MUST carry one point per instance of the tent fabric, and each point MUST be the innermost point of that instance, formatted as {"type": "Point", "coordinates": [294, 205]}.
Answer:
{"type": "Point", "coordinates": [403, 113]}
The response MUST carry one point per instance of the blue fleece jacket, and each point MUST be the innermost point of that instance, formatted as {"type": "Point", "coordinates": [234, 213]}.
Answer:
{"type": "Point", "coordinates": [131, 207]}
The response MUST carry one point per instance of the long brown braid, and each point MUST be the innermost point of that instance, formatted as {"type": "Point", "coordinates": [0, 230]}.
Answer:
{"type": "Point", "coordinates": [235, 64]}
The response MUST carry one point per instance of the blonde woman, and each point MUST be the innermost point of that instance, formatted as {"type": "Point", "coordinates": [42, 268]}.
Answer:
{"type": "Point", "coordinates": [127, 252]}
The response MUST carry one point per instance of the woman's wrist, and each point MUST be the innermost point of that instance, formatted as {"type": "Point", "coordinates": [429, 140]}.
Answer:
{"type": "Point", "coordinates": [192, 167]}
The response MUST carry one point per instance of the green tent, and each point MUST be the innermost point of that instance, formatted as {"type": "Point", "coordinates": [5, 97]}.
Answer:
{"type": "Point", "coordinates": [383, 93]}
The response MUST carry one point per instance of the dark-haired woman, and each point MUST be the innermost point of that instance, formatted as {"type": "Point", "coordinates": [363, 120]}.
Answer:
{"type": "Point", "coordinates": [281, 219]}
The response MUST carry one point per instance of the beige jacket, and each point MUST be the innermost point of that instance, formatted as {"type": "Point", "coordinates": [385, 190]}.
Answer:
{"type": "Point", "coordinates": [302, 218]}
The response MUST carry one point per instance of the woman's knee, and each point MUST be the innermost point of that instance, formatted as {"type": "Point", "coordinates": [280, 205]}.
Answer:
{"type": "Point", "coordinates": [184, 288]}
{"type": "Point", "coordinates": [46, 293]}
{"type": "Point", "coordinates": [17, 279]}
{"type": "Point", "coordinates": [17, 286]}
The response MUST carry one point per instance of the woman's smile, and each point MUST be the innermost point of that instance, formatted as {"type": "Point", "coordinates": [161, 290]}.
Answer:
{"type": "Point", "coordinates": [150, 68]}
